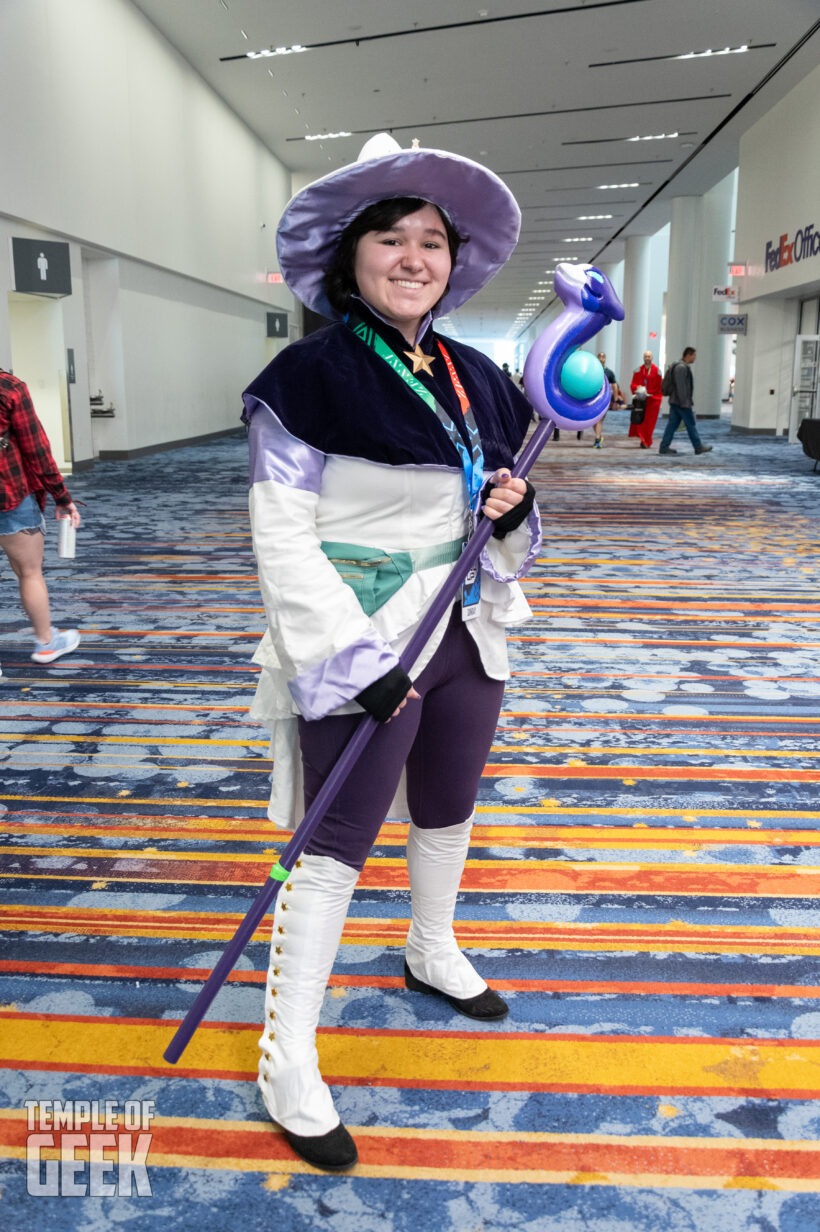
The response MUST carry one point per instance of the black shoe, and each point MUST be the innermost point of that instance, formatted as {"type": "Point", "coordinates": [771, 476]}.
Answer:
{"type": "Point", "coordinates": [704, 449]}
{"type": "Point", "coordinates": [667, 451]}
{"type": "Point", "coordinates": [487, 1005]}
{"type": "Point", "coordinates": [644, 446]}
{"type": "Point", "coordinates": [333, 1152]}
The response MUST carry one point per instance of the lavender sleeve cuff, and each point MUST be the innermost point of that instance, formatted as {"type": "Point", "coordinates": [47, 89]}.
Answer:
{"type": "Point", "coordinates": [329, 684]}
{"type": "Point", "coordinates": [497, 551]}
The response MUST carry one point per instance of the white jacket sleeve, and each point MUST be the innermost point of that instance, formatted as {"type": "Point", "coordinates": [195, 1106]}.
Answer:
{"type": "Point", "coordinates": [325, 644]}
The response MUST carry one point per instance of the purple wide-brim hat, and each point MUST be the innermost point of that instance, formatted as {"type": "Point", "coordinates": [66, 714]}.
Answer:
{"type": "Point", "coordinates": [476, 201]}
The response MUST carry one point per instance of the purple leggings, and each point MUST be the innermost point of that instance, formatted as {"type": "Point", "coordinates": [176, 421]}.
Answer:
{"type": "Point", "coordinates": [443, 740]}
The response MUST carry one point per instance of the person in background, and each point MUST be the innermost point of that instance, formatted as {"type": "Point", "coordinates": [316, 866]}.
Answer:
{"type": "Point", "coordinates": [646, 380]}
{"type": "Point", "coordinates": [375, 445]}
{"type": "Point", "coordinates": [681, 409]}
{"type": "Point", "coordinates": [28, 474]}
{"type": "Point", "coordinates": [616, 400]}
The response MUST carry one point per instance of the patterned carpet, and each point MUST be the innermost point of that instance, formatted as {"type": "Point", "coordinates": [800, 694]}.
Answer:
{"type": "Point", "coordinates": [642, 887]}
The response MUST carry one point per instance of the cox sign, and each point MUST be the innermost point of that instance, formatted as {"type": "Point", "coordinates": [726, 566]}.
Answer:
{"type": "Point", "coordinates": [733, 324]}
{"type": "Point", "coordinates": [805, 244]}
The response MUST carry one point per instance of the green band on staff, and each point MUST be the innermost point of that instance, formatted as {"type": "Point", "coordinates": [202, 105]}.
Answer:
{"type": "Point", "coordinates": [279, 873]}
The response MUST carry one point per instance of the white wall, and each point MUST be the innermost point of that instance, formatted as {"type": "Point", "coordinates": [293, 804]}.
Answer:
{"type": "Point", "coordinates": [778, 195]}
{"type": "Point", "coordinates": [109, 139]}
{"type": "Point", "coordinates": [164, 315]}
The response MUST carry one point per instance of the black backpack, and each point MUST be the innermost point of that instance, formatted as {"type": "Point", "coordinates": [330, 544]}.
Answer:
{"type": "Point", "coordinates": [668, 384]}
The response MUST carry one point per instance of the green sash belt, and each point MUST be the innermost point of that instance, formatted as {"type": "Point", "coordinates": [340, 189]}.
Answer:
{"type": "Point", "coordinates": [374, 575]}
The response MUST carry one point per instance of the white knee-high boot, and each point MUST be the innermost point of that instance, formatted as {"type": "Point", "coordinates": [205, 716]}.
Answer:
{"type": "Point", "coordinates": [307, 926]}
{"type": "Point", "coordinates": [435, 863]}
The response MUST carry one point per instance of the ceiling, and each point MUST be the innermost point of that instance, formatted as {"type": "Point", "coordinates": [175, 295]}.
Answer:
{"type": "Point", "coordinates": [550, 96]}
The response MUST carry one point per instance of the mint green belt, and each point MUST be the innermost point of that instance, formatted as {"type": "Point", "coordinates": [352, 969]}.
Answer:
{"type": "Point", "coordinates": [374, 575]}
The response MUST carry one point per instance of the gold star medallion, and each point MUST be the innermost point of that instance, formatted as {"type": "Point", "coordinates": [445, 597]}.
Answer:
{"type": "Point", "coordinates": [420, 361]}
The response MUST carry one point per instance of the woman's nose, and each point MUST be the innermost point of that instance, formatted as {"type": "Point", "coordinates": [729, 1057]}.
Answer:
{"type": "Point", "coordinates": [412, 258]}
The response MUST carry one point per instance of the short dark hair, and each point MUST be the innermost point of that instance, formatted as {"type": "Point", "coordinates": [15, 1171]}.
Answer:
{"type": "Point", "coordinates": [689, 351]}
{"type": "Point", "coordinates": [339, 282]}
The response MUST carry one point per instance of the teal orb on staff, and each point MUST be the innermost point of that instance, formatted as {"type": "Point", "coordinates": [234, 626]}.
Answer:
{"type": "Point", "coordinates": [582, 376]}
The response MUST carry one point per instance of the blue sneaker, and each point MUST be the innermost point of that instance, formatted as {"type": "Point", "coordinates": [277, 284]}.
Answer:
{"type": "Point", "coordinates": [61, 643]}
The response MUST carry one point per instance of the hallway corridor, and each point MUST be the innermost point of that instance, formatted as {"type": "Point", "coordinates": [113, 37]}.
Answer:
{"type": "Point", "coordinates": [641, 886]}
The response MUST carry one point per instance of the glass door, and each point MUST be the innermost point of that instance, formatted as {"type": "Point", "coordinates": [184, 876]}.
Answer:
{"type": "Point", "coordinates": [805, 381]}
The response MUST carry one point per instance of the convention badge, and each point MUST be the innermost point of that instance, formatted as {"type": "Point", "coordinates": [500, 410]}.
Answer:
{"type": "Point", "coordinates": [471, 586]}
{"type": "Point", "coordinates": [471, 593]}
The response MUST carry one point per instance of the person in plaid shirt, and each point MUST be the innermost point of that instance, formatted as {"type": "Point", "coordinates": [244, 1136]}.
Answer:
{"type": "Point", "coordinates": [28, 473]}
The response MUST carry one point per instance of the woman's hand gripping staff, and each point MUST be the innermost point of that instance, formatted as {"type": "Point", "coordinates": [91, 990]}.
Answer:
{"type": "Point", "coordinates": [563, 392]}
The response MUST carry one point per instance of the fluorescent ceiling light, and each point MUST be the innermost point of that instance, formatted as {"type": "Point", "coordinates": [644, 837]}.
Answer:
{"type": "Point", "coordinates": [326, 136]}
{"type": "Point", "coordinates": [592, 217]}
{"type": "Point", "coordinates": [275, 51]}
{"type": "Point", "coordinates": [655, 137]}
{"type": "Point", "coordinates": [723, 51]}
{"type": "Point", "coordinates": [579, 239]}
{"type": "Point", "coordinates": [633, 185]}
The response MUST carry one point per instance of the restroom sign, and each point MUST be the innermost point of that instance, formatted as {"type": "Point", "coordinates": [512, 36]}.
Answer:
{"type": "Point", "coordinates": [729, 324]}
{"type": "Point", "coordinates": [277, 325]}
{"type": "Point", "coordinates": [41, 267]}
{"type": "Point", "coordinates": [723, 293]}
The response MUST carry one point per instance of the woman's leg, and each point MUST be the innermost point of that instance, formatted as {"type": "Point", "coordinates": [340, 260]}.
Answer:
{"type": "Point", "coordinates": [309, 916]}
{"type": "Point", "coordinates": [25, 553]}
{"type": "Point", "coordinates": [444, 769]}
{"type": "Point", "coordinates": [308, 921]}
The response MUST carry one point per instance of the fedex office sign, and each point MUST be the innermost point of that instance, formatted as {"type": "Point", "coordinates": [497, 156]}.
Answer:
{"type": "Point", "coordinates": [805, 244]}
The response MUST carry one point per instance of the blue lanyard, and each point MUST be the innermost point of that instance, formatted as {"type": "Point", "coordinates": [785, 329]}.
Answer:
{"type": "Point", "coordinates": [472, 458]}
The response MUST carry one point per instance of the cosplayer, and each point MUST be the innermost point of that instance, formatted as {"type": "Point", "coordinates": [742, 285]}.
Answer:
{"type": "Point", "coordinates": [375, 443]}
{"type": "Point", "coordinates": [647, 380]}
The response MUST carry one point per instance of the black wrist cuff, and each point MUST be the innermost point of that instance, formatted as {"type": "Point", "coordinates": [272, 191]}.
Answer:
{"type": "Point", "coordinates": [383, 696]}
{"type": "Point", "coordinates": [513, 518]}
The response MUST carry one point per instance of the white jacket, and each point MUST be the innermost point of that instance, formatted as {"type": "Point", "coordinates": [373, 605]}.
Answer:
{"type": "Point", "coordinates": [320, 649]}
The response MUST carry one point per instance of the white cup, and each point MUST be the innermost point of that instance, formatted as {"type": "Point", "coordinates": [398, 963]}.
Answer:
{"type": "Point", "coordinates": [66, 539]}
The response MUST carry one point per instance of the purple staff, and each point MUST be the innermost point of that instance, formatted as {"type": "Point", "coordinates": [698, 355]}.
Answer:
{"type": "Point", "coordinates": [566, 387]}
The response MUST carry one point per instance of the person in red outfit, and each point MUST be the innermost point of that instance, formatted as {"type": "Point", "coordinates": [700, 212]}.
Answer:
{"type": "Point", "coordinates": [647, 380]}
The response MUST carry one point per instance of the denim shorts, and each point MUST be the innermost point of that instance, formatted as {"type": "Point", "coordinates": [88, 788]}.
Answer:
{"type": "Point", "coordinates": [26, 516]}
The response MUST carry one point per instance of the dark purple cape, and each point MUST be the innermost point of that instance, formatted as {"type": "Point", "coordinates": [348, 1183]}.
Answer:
{"type": "Point", "coordinates": [333, 392]}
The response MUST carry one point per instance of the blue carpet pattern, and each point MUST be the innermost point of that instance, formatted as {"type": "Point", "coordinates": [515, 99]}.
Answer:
{"type": "Point", "coordinates": [643, 884]}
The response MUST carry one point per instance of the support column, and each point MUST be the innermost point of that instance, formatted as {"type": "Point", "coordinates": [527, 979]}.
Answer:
{"type": "Point", "coordinates": [609, 339]}
{"type": "Point", "coordinates": [635, 333]}
{"type": "Point", "coordinates": [700, 248]}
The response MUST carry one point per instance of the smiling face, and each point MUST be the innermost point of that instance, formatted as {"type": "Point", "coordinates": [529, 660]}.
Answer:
{"type": "Point", "coordinates": [403, 272]}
